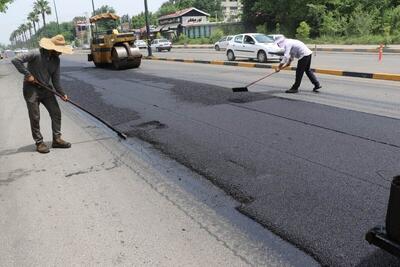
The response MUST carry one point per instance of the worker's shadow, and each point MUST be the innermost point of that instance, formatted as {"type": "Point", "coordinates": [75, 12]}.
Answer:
{"type": "Point", "coordinates": [379, 258]}
{"type": "Point", "coordinates": [25, 149]}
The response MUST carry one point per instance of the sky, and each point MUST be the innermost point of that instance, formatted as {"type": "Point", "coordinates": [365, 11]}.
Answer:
{"type": "Point", "coordinates": [67, 9]}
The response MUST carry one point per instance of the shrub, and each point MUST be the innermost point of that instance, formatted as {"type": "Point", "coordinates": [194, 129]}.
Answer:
{"type": "Point", "coordinates": [303, 31]}
{"type": "Point", "coordinates": [216, 34]}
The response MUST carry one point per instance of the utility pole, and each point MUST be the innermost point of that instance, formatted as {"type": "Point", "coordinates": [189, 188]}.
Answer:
{"type": "Point", "coordinates": [146, 14]}
{"type": "Point", "coordinates": [93, 8]}
{"type": "Point", "coordinates": [91, 29]}
{"type": "Point", "coordinates": [55, 9]}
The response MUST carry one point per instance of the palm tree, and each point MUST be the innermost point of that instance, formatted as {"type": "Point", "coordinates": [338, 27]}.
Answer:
{"type": "Point", "coordinates": [42, 6]}
{"type": "Point", "coordinates": [34, 18]}
{"type": "Point", "coordinates": [29, 27]}
{"type": "Point", "coordinates": [13, 38]}
{"type": "Point", "coordinates": [22, 30]}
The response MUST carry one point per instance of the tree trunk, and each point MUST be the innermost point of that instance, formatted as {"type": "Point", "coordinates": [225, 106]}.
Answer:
{"type": "Point", "coordinates": [34, 26]}
{"type": "Point", "coordinates": [44, 20]}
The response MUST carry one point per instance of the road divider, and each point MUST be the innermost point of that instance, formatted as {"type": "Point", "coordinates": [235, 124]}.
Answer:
{"type": "Point", "coordinates": [376, 76]}
{"type": "Point", "coordinates": [312, 47]}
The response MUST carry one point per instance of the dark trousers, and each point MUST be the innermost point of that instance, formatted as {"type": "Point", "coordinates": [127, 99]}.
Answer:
{"type": "Point", "coordinates": [34, 98]}
{"type": "Point", "coordinates": [304, 65]}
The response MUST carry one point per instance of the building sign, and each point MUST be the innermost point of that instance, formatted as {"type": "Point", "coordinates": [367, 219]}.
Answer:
{"type": "Point", "coordinates": [169, 21]}
{"type": "Point", "coordinates": [194, 19]}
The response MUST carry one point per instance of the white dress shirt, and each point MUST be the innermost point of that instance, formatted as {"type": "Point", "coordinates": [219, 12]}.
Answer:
{"type": "Point", "coordinates": [294, 49]}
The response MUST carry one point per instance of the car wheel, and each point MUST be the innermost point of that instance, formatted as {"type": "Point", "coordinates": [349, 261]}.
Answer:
{"type": "Point", "coordinates": [262, 57]}
{"type": "Point", "coordinates": [231, 55]}
{"type": "Point", "coordinates": [158, 50]}
{"type": "Point", "coordinates": [217, 48]}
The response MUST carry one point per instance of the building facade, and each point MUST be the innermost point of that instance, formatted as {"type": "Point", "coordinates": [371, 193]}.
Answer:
{"type": "Point", "coordinates": [191, 21]}
{"type": "Point", "coordinates": [231, 10]}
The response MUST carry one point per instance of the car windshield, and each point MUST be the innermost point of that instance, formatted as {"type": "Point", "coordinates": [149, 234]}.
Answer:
{"type": "Point", "coordinates": [262, 38]}
{"type": "Point", "coordinates": [164, 41]}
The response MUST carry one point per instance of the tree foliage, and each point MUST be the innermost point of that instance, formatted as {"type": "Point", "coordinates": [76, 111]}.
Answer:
{"type": "Point", "coordinates": [4, 4]}
{"type": "Point", "coordinates": [325, 17]}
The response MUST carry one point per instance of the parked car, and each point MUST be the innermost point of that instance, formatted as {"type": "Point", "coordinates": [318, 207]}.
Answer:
{"type": "Point", "coordinates": [141, 44]}
{"type": "Point", "coordinates": [161, 44]}
{"type": "Point", "coordinates": [275, 36]}
{"type": "Point", "coordinates": [223, 42]}
{"type": "Point", "coordinates": [253, 46]}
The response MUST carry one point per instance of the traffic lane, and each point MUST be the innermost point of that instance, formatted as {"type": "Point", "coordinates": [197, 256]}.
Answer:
{"type": "Point", "coordinates": [295, 177]}
{"type": "Point", "coordinates": [366, 95]}
{"type": "Point", "coordinates": [359, 62]}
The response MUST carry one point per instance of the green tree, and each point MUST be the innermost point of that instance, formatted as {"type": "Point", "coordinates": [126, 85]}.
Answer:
{"type": "Point", "coordinates": [139, 21]}
{"type": "Point", "coordinates": [42, 7]}
{"type": "Point", "coordinates": [34, 18]}
{"type": "Point", "coordinates": [303, 31]}
{"type": "Point", "coordinates": [4, 4]}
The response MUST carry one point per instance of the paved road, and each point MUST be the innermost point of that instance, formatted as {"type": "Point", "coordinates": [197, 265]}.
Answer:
{"type": "Point", "coordinates": [317, 175]}
{"type": "Point", "coordinates": [110, 203]}
{"type": "Point", "coordinates": [360, 62]}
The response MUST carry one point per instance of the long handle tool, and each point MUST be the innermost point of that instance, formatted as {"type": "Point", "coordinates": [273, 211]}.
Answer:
{"type": "Point", "coordinates": [119, 133]}
{"type": "Point", "coordinates": [245, 89]}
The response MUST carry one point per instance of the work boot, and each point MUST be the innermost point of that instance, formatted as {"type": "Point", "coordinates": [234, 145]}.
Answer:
{"type": "Point", "coordinates": [292, 91]}
{"type": "Point", "coordinates": [59, 143]}
{"type": "Point", "coordinates": [42, 148]}
{"type": "Point", "coordinates": [316, 88]}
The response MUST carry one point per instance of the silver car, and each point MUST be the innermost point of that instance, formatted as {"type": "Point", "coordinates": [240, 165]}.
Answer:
{"type": "Point", "coordinates": [253, 46]}
{"type": "Point", "coordinates": [161, 44]}
{"type": "Point", "coordinates": [223, 42]}
{"type": "Point", "coordinates": [140, 44]}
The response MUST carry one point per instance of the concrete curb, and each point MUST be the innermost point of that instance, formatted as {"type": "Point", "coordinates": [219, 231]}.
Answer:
{"type": "Point", "coordinates": [376, 76]}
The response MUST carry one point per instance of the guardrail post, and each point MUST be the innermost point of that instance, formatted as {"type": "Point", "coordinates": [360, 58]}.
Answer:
{"type": "Point", "coordinates": [380, 52]}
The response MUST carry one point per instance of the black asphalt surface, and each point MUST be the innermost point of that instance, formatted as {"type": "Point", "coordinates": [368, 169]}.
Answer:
{"type": "Point", "coordinates": [318, 176]}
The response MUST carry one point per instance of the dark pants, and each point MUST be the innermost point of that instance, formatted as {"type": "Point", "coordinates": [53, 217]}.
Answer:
{"type": "Point", "coordinates": [304, 65]}
{"type": "Point", "coordinates": [33, 97]}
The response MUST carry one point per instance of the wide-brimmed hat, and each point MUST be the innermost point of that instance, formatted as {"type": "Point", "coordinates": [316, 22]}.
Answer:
{"type": "Point", "coordinates": [56, 43]}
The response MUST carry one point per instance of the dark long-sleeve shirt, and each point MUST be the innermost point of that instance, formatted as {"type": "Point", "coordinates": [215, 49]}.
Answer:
{"type": "Point", "coordinates": [42, 66]}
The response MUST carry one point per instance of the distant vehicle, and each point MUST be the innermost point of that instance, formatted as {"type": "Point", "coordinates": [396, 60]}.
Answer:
{"type": "Point", "coordinates": [24, 50]}
{"type": "Point", "coordinates": [223, 42]}
{"type": "Point", "coordinates": [86, 46]}
{"type": "Point", "coordinates": [161, 44]}
{"type": "Point", "coordinates": [253, 46]}
{"type": "Point", "coordinates": [9, 54]}
{"type": "Point", "coordinates": [141, 44]}
{"type": "Point", "coordinates": [275, 36]}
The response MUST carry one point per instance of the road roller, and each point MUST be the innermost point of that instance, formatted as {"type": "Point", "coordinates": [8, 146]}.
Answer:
{"type": "Point", "coordinates": [108, 47]}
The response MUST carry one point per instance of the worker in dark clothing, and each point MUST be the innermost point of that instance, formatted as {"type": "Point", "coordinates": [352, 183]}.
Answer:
{"type": "Point", "coordinates": [297, 49]}
{"type": "Point", "coordinates": [43, 66]}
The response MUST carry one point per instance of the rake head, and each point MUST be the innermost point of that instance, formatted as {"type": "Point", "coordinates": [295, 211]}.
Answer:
{"type": "Point", "coordinates": [240, 89]}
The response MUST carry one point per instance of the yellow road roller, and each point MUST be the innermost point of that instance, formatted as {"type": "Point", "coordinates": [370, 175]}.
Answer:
{"type": "Point", "coordinates": [108, 47]}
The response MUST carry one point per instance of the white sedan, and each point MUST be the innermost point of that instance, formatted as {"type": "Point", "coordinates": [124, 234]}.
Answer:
{"type": "Point", "coordinates": [253, 46]}
{"type": "Point", "coordinates": [161, 44]}
{"type": "Point", "coordinates": [223, 42]}
{"type": "Point", "coordinates": [140, 44]}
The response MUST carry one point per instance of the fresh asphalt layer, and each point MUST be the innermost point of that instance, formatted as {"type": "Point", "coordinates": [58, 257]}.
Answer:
{"type": "Point", "coordinates": [316, 175]}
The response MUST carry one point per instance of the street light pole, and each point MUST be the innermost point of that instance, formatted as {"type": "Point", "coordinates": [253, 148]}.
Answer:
{"type": "Point", "coordinates": [146, 14]}
{"type": "Point", "coordinates": [55, 9]}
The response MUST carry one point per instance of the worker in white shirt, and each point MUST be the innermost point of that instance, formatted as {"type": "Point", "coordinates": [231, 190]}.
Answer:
{"type": "Point", "coordinates": [297, 49]}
